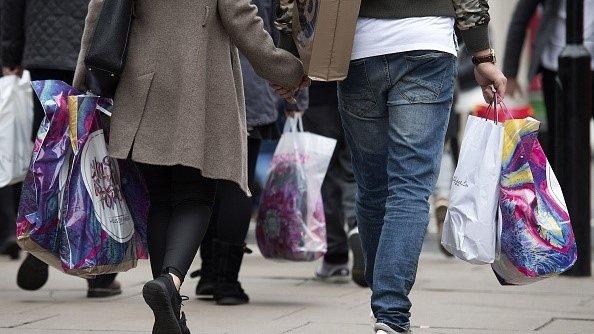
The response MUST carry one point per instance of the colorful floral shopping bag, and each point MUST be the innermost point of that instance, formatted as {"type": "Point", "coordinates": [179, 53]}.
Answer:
{"type": "Point", "coordinates": [536, 240]}
{"type": "Point", "coordinates": [291, 224]}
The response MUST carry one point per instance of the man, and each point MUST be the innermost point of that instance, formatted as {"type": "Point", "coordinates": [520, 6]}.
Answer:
{"type": "Point", "coordinates": [395, 104]}
{"type": "Point", "coordinates": [43, 36]}
{"type": "Point", "coordinates": [550, 41]}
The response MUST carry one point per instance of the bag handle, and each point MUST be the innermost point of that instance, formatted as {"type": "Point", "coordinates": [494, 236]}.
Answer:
{"type": "Point", "coordinates": [294, 124]}
{"type": "Point", "coordinates": [498, 102]}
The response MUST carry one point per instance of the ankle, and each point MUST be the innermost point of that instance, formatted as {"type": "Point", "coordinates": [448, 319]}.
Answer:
{"type": "Point", "coordinates": [176, 281]}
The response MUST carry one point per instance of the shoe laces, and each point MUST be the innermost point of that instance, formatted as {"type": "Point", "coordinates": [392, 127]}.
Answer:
{"type": "Point", "coordinates": [183, 320]}
{"type": "Point", "coordinates": [196, 273]}
{"type": "Point", "coordinates": [184, 298]}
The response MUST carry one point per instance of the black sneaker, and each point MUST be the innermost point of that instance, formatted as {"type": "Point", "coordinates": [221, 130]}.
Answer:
{"type": "Point", "coordinates": [33, 273]}
{"type": "Point", "coordinates": [161, 296]}
{"type": "Point", "coordinates": [358, 270]}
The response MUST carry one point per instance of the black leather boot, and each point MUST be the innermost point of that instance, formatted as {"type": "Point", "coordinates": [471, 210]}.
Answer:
{"type": "Point", "coordinates": [228, 258]}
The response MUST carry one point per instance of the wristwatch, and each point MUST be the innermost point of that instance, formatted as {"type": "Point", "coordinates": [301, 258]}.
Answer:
{"type": "Point", "coordinates": [485, 59]}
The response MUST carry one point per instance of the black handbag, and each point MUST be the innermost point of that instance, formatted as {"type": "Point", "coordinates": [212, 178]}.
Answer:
{"type": "Point", "coordinates": [106, 57]}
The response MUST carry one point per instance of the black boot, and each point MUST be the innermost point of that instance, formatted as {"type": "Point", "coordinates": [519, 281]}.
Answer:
{"type": "Point", "coordinates": [207, 273]}
{"type": "Point", "coordinates": [163, 298]}
{"type": "Point", "coordinates": [228, 257]}
{"type": "Point", "coordinates": [33, 273]}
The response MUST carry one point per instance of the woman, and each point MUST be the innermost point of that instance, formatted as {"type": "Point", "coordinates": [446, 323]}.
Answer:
{"type": "Point", "coordinates": [179, 112]}
{"type": "Point", "coordinates": [223, 246]}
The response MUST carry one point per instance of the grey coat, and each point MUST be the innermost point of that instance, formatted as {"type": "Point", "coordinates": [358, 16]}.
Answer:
{"type": "Point", "coordinates": [516, 35]}
{"type": "Point", "coordinates": [260, 99]}
{"type": "Point", "coordinates": [180, 100]}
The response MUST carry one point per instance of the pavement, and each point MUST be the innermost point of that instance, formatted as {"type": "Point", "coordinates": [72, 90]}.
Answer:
{"type": "Point", "coordinates": [450, 296]}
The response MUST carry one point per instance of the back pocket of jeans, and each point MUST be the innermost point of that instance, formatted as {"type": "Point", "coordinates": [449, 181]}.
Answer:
{"type": "Point", "coordinates": [426, 73]}
{"type": "Point", "coordinates": [355, 92]}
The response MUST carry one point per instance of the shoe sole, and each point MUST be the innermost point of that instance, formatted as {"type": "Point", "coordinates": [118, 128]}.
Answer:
{"type": "Point", "coordinates": [358, 271]}
{"type": "Point", "coordinates": [103, 293]}
{"type": "Point", "coordinates": [231, 301]}
{"type": "Point", "coordinates": [33, 274]}
{"type": "Point", "coordinates": [333, 279]}
{"type": "Point", "coordinates": [205, 291]}
{"type": "Point", "coordinates": [156, 297]}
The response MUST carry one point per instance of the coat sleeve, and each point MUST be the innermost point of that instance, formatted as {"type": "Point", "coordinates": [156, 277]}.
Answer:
{"type": "Point", "coordinates": [472, 19]}
{"type": "Point", "coordinates": [516, 34]}
{"type": "Point", "coordinates": [246, 29]}
{"type": "Point", "coordinates": [12, 31]}
{"type": "Point", "coordinates": [92, 16]}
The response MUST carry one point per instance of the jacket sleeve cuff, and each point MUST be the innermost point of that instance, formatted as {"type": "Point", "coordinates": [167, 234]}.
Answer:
{"type": "Point", "coordinates": [476, 38]}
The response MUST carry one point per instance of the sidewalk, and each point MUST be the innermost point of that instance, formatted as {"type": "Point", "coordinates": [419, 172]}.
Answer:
{"type": "Point", "coordinates": [450, 297]}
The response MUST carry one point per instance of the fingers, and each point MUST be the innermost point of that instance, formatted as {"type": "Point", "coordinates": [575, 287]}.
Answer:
{"type": "Point", "coordinates": [488, 94]}
{"type": "Point", "coordinates": [292, 113]}
{"type": "Point", "coordinates": [12, 71]}
{"type": "Point", "coordinates": [500, 85]}
{"type": "Point", "coordinates": [305, 82]}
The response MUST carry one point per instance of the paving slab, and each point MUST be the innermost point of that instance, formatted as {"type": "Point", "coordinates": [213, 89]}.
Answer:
{"type": "Point", "coordinates": [450, 297]}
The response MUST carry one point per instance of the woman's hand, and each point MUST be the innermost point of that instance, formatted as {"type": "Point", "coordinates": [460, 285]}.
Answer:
{"type": "Point", "coordinates": [289, 93]}
{"type": "Point", "coordinates": [12, 70]}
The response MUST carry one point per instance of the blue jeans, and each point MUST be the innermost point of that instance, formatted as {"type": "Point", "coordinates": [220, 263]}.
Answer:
{"type": "Point", "coordinates": [395, 110]}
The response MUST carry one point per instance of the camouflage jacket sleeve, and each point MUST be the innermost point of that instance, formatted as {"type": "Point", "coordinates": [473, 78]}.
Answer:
{"type": "Point", "coordinates": [284, 15]}
{"type": "Point", "coordinates": [472, 19]}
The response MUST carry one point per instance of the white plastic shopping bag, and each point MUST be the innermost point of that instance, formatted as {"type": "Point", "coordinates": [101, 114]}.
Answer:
{"type": "Point", "coordinates": [471, 224]}
{"type": "Point", "coordinates": [291, 224]}
{"type": "Point", "coordinates": [16, 126]}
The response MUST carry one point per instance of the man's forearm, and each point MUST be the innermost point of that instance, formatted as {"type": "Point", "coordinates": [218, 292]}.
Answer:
{"type": "Point", "coordinates": [472, 19]}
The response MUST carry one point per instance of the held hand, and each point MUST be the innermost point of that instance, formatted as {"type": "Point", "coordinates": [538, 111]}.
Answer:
{"type": "Point", "coordinates": [289, 93]}
{"type": "Point", "coordinates": [293, 113]}
{"type": "Point", "coordinates": [12, 70]}
{"type": "Point", "coordinates": [285, 93]}
{"type": "Point", "coordinates": [487, 76]}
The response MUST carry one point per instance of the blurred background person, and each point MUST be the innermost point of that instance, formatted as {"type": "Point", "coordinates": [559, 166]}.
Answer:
{"type": "Point", "coordinates": [338, 190]}
{"type": "Point", "coordinates": [43, 37]}
{"type": "Point", "coordinates": [8, 206]}
{"type": "Point", "coordinates": [548, 45]}
{"type": "Point", "coordinates": [224, 245]}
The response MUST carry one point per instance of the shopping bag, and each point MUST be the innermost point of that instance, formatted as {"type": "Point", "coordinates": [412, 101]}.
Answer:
{"type": "Point", "coordinates": [291, 224]}
{"type": "Point", "coordinates": [106, 201]}
{"type": "Point", "coordinates": [40, 208]}
{"type": "Point", "coordinates": [470, 227]}
{"type": "Point", "coordinates": [323, 32]}
{"type": "Point", "coordinates": [515, 108]}
{"type": "Point", "coordinates": [81, 211]}
{"type": "Point", "coordinates": [16, 128]}
{"type": "Point", "coordinates": [537, 239]}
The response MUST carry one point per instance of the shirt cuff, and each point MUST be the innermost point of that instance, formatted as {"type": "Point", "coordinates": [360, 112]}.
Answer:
{"type": "Point", "coordinates": [476, 38]}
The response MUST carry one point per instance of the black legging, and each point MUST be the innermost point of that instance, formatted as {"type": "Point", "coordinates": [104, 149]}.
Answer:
{"type": "Point", "coordinates": [233, 208]}
{"type": "Point", "coordinates": [181, 206]}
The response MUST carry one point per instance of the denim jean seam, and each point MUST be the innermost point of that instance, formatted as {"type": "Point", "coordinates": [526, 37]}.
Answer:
{"type": "Point", "coordinates": [368, 82]}
{"type": "Point", "coordinates": [387, 69]}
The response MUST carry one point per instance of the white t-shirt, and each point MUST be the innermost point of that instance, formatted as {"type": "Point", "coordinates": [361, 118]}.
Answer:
{"type": "Point", "coordinates": [376, 37]}
{"type": "Point", "coordinates": [556, 42]}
